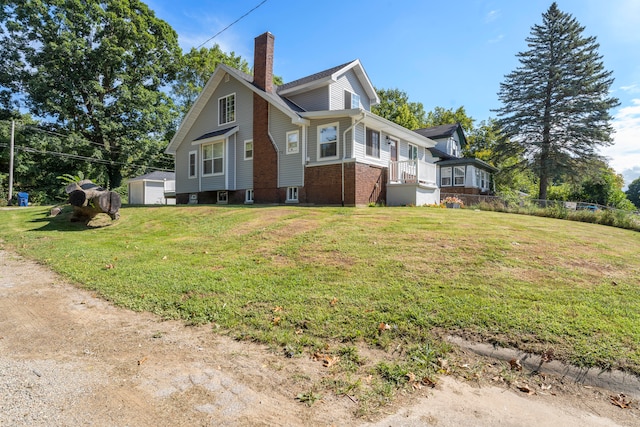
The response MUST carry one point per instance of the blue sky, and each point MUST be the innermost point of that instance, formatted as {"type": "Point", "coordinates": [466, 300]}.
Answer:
{"type": "Point", "coordinates": [441, 53]}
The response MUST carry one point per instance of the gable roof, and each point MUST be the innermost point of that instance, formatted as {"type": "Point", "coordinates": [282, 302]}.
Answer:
{"type": "Point", "coordinates": [207, 92]}
{"type": "Point", "coordinates": [155, 176]}
{"type": "Point", "coordinates": [328, 76]}
{"type": "Point", "coordinates": [444, 131]}
{"type": "Point", "coordinates": [468, 161]}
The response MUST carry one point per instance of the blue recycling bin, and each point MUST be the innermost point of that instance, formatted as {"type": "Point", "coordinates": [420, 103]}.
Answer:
{"type": "Point", "coordinates": [23, 199]}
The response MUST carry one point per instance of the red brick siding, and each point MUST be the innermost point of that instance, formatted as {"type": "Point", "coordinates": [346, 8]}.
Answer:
{"type": "Point", "coordinates": [371, 184]}
{"type": "Point", "coordinates": [265, 163]}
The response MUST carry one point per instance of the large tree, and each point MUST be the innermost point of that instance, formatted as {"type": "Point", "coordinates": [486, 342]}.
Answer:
{"type": "Point", "coordinates": [395, 106]}
{"type": "Point", "coordinates": [633, 192]}
{"type": "Point", "coordinates": [555, 105]}
{"type": "Point", "coordinates": [96, 68]}
{"type": "Point", "coordinates": [442, 116]}
{"type": "Point", "coordinates": [196, 67]}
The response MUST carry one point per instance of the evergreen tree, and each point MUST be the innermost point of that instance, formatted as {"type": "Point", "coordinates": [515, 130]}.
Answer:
{"type": "Point", "coordinates": [555, 111]}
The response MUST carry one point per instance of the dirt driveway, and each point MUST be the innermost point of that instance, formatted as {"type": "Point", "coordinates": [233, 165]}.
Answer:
{"type": "Point", "coordinates": [68, 358]}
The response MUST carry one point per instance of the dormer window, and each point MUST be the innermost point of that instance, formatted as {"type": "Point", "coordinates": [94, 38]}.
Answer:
{"type": "Point", "coordinates": [351, 100]}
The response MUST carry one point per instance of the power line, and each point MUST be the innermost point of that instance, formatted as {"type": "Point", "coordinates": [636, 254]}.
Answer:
{"type": "Point", "coordinates": [228, 26]}
{"type": "Point", "coordinates": [85, 158]}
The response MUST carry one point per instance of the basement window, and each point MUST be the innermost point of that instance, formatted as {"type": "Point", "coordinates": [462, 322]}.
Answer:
{"type": "Point", "coordinates": [292, 194]}
{"type": "Point", "coordinates": [223, 197]}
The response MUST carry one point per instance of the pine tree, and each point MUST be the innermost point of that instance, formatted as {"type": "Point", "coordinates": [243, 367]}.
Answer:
{"type": "Point", "coordinates": [555, 111]}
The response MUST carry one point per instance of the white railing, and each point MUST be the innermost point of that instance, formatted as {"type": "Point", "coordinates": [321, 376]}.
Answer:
{"type": "Point", "coordinates": [412, 172]}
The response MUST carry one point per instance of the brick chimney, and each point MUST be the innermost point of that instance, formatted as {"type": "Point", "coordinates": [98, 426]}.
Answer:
{"type": "Point", "coordinates": [263, 62]}
{"type": "Point", "coordinates": [265, 164]}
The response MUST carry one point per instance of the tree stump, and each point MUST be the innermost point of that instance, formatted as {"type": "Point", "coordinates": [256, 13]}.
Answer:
{"type": "Point", "coordinates": [89, 200]}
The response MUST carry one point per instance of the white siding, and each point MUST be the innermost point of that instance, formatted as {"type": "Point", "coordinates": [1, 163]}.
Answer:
{"type": "Point", "coordinates": [208, 122]}
{"type": "Point", "coordinates": [347, 82]}
{"type": "Point", "coordinates": [291, 168]}
{"type": "Point", "coordinates": [136, 193]}
{"type": "Point", "coordinates": [313, 100]}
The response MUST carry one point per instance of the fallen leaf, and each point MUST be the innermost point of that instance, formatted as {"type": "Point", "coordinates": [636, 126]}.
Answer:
{"type": "Point", "coordinates": [141, 361]}
{"type": "Point", "coordinates": [515, 365]}
{"type": "Point", "coordinates": [277, 309]}
{"type": "Point", "coordinates": [276, 320]}
{"type": "Point", "coordinates": [526, 389]}
{"type": "Point", "coordinates": [164, 257]}
{"type": "Point", "coordinates": [334, 301]}
{"type": "Point", "coordinates": [109, 266]}
{"type": "Point", "coordinates": [428, 382]}
{"type": "Point", "coordinates": [621, 401]}
{"type": "Point", "coordinates": [383, 327]}
{"type": "Point", "coordinates": [547, 356]}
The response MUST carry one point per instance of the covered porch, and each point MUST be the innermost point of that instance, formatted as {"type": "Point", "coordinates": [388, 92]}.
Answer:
{"type": "Point", "coordinates": [412, 182]}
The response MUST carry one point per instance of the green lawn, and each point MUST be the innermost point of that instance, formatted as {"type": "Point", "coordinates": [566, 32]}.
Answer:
{"type": "Point", "coordinates": [307, 279]}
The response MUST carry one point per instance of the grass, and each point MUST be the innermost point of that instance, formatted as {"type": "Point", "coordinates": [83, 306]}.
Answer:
{"type": "Point", "coordinates": [310, 279]}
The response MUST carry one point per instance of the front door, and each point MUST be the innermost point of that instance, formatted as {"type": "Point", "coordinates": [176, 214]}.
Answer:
{"type": "Point", "coordinates": [393, 166]}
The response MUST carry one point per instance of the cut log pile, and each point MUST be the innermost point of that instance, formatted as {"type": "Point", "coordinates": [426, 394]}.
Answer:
{"type": "Point", "coordinates": [89, 200]}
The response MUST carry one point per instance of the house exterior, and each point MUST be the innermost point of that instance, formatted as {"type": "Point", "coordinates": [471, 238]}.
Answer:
{"type": "Point", "coordinates": [310, 141]}
{"type": "Point", "coordinates": [457, 174]}
{"type": "Point", "coordinates": [155, 188]}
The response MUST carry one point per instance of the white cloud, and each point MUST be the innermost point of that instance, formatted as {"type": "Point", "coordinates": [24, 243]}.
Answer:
{"type": "Point", "coordinates": [497, 39]}
{"type": "Point", "coordinates": [491, 16]}
{"type": "Point", "coordinates": [633, 88]}
{"type": "Point", "coordinates": [624, 154]}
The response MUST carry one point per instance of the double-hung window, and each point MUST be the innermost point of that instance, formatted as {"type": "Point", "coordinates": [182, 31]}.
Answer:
{"type": "Point", "coordinates": [373, 143]}
{"type": "Point", "coordinates": [445, 177]}
{"type": "Point", "coordinates": [193, 164]}
{"type": "Point", "coordinates": [227, 109]}
{"type": "Point", "coordinates": [328, 141]}
{"type": "Point", "coordinates": [213, 159]}
{"type": "Point", "coordinates": [248, 149]}
{"type": "Point", "coordinates": [293, 142]}
{"type": "Point", "coordinates": [458, 176]}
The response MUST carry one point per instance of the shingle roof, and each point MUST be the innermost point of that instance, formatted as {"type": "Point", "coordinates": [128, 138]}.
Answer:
{"type": "Point", "coordinates": [214, 133]}
{"type": "Point", "coordinates": [155, 176]}
{"type": "Point", "coordinates": [438, 131]}
{"type": "Point", "coordinates": [468, 161]}
{"type": "Point", "coordinates": [312, 77]}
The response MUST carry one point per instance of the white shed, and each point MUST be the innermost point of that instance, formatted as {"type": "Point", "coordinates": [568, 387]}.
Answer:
{"type": "Point", "coordinates": [155, 188]}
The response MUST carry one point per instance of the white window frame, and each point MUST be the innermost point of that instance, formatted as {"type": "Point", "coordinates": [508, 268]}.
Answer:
{"type": "Point", "coordinates": [337, 141]}
{"type": "Point", "coordinates": [248, 195]}
{"type": "Point", "coordinates": [355, 100]}
{"type": "Point", "coordinates": [229, 110]}
{"type": "Point", "coordinates": [247, 142]}
{"type": "Point", "coordinates": [446, 174]}
{"type": "Point", "coordinates": [193, 155]}
{"type": "Point", "coordinates": [212, 159]}
{"type": "Point", "coordinates": [297, 147]}
{"type": "Point", "coordinates": [223, 197]}
{"type": "Point", "coordinates": [413, 152]}
{"type": "Point", "coordinates": [456, 181]}
{"type": "Point", "coordinates": [292, 194]}
{"type": "Point", "coordinates": [370, 150]}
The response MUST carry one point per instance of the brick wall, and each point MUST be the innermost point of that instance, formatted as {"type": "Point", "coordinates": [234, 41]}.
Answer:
{"type": "Point", "coordinates": [371, 184]}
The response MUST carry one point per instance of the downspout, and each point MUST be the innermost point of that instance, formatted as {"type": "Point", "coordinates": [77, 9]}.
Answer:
{"type": "Point", "coordinates": [275, 147]}
{"type": "Point", "coordinates": [344, 148]}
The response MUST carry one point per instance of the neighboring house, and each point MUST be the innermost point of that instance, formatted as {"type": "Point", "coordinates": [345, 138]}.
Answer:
{"type": "Point", "coordinates": [310, 141]}
{"type": "Point", "coordinates": [457, 174]}
{"type": "Point", "coordinates": [155, 188]}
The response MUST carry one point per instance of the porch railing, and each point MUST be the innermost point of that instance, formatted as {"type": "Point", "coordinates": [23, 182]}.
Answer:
{"type": "Point", "coordinates": [412, 172]}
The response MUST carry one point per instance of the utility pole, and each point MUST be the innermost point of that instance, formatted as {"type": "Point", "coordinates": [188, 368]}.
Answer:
{"type": "Point", "coordinates": [13, 128]}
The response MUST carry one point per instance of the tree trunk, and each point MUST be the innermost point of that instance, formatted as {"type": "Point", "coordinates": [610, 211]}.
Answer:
{"type": "Point", "coordinates": [89, 200]}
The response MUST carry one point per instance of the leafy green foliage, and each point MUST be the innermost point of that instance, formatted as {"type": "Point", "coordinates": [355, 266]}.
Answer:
{"type": "Point", "coordinates": [395, 106]}
{"type": "Point", "coordinates": [97, 70]}
{"type": "Point", "coordinates": [441, 116]}
{"type": "Point", "coordinates": [555, 106]}
{"type": "Point", "coordinates": [633, 192]}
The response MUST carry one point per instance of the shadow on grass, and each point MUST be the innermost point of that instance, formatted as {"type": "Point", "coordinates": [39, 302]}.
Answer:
{"type": "Point", "coordinates": [63, 222]}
